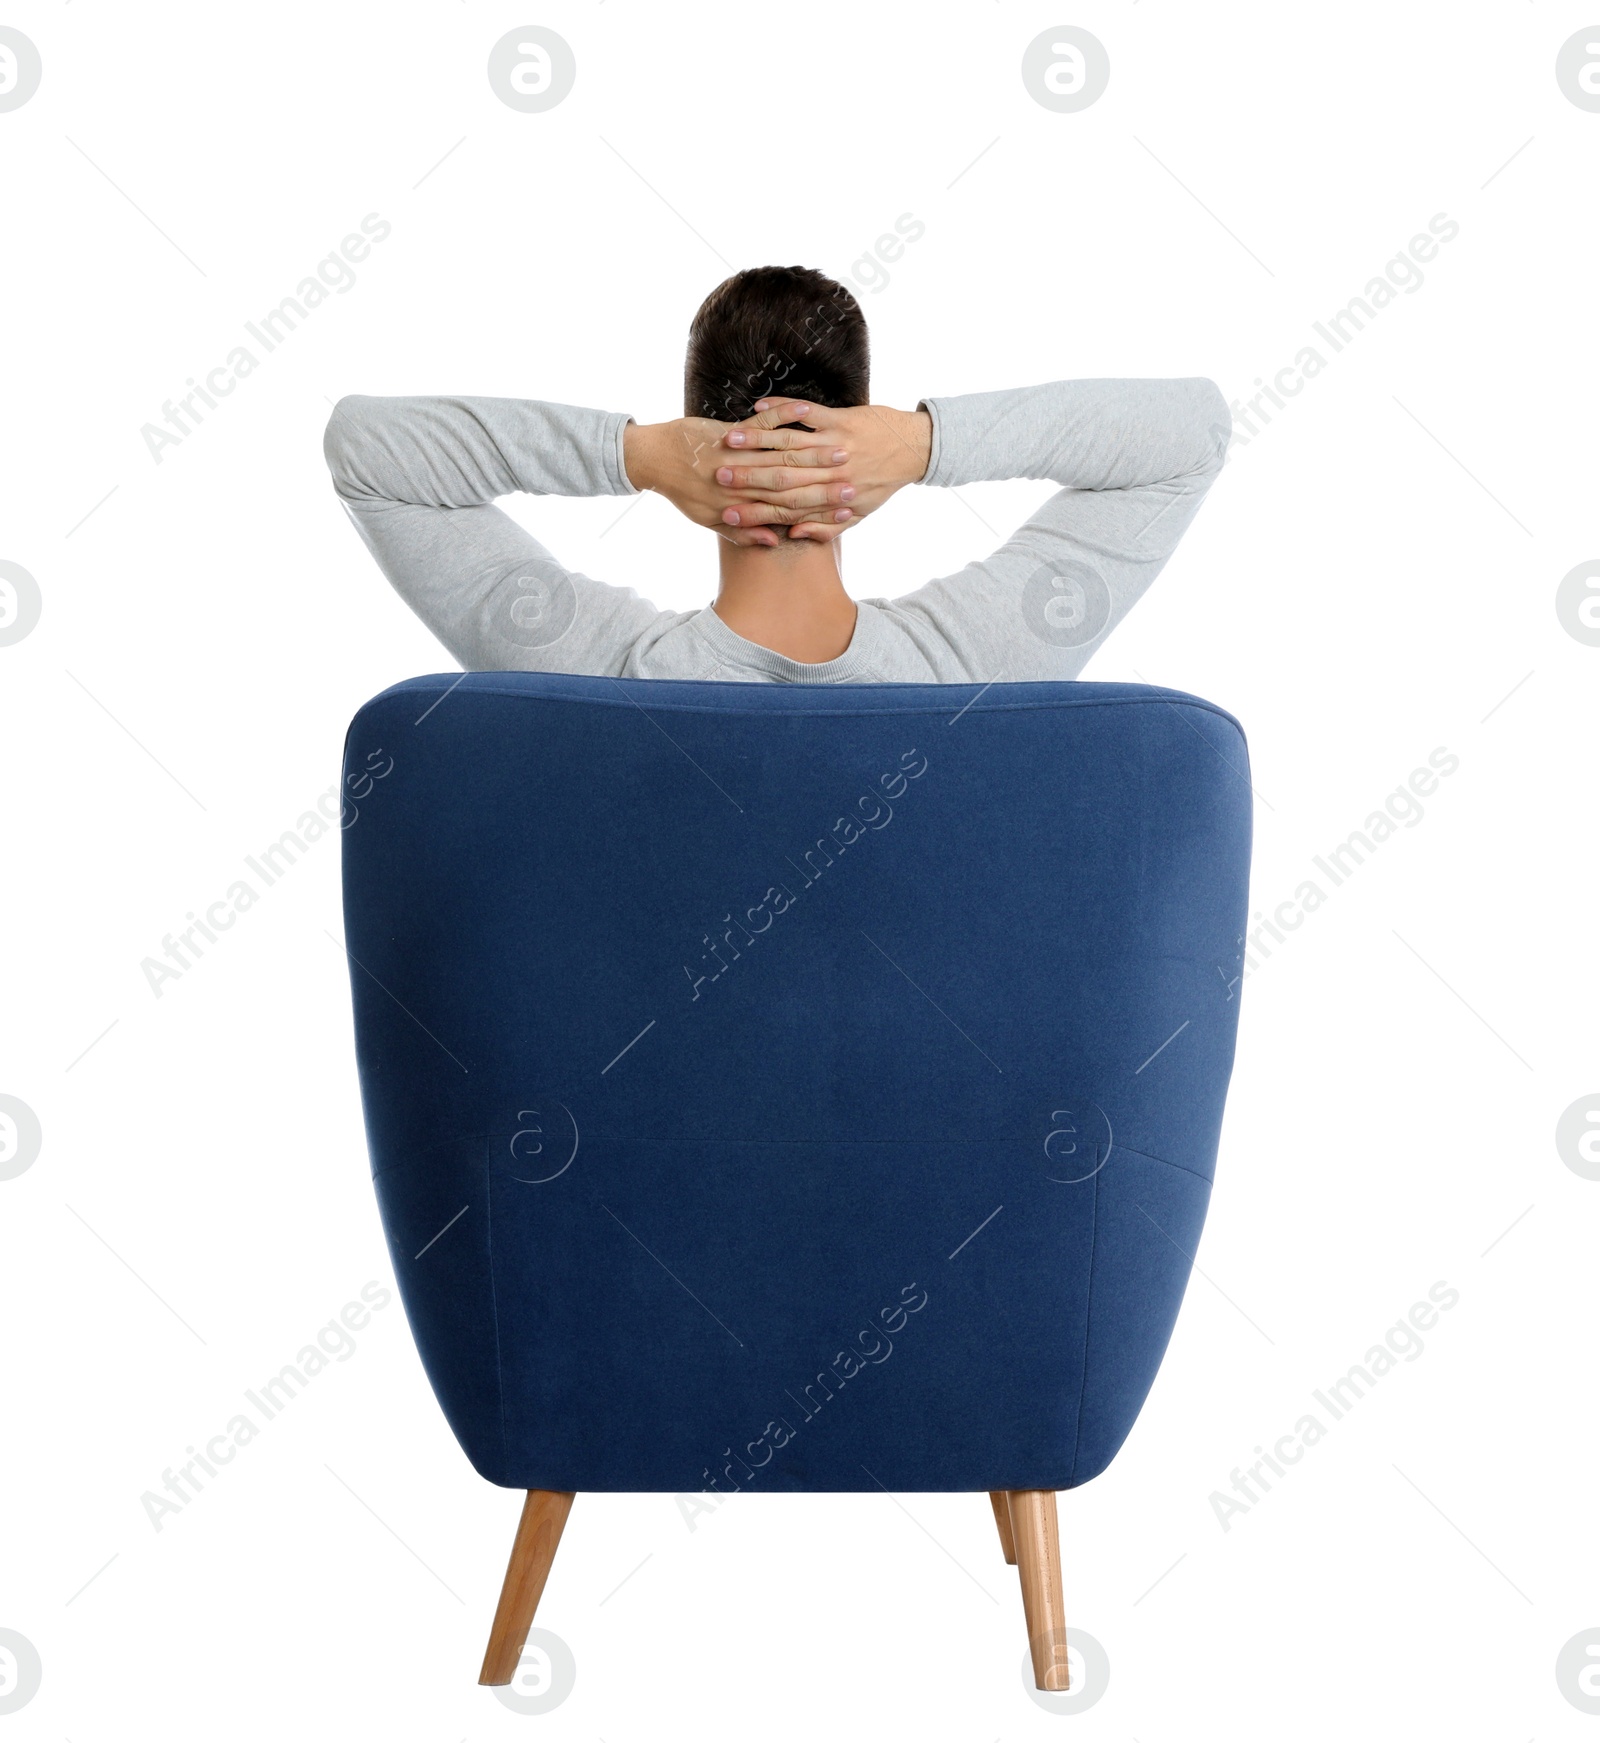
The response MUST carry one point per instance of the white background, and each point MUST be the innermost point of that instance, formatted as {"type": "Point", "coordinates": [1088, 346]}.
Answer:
{"type": "Point", "coordinates": [1371, 577]}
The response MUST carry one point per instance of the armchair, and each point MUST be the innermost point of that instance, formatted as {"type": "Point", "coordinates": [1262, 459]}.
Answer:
{"type": "Point", "coordinates": [776, 1089]}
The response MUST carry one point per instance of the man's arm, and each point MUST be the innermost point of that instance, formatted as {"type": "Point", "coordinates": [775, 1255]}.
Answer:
{"type": "Point", "coordinates": [1136, 459]}
{"type": "Point", "coordinates": [418, 477]}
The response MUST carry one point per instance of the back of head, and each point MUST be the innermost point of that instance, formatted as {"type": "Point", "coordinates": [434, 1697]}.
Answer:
{"type": "Point", "coordinates": [775, 330]}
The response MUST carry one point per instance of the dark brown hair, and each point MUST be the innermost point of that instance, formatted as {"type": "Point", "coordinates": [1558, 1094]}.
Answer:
{"type": "Point", "coordinates": [775, 330]}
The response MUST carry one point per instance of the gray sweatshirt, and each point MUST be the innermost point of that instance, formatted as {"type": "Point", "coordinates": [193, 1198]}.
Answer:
{"type": "Point", "coordinates": [419, 477]}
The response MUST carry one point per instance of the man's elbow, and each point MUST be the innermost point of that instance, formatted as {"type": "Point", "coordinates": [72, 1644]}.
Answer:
{"type": "Point", "coordinates": [340, 447]}
{"type": "Point", "coordinates": [1213, 423]}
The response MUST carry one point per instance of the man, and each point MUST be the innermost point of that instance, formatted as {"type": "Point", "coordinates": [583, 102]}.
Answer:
{"type": "Point", "coordinates": [779, 453]}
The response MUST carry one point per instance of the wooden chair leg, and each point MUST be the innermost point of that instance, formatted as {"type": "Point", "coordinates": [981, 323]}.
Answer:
{"type": "Point", "coordinates": [544, 1514]}
{"type": "Point", "coordinates": [1001, 1503]}
{"type": "Point", "coordinates": [1033, 1524]}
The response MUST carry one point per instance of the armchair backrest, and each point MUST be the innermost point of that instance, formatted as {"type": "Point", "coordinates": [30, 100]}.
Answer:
{"type": "Point", "coordinates": [788, 1088]}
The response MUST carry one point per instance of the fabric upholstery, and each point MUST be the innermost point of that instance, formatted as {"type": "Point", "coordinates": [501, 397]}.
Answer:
{"type": "Point", "coordinates": [778, 1088]}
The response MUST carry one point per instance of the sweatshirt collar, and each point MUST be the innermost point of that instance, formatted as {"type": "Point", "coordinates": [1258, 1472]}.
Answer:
{"type": "Point", "coordinates": [732, 649]}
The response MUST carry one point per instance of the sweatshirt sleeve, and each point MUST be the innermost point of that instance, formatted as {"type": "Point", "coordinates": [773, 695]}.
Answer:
{"type": "Point", "coordinates": [1135, 459]}
{"type": "Point", "coordinates": [418, 478]}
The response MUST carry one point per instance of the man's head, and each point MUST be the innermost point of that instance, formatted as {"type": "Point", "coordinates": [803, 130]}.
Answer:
{"type": "Point", "coordinates": [775, 330]}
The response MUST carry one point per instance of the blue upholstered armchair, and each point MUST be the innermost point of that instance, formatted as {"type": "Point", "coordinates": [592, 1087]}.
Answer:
{"type": "Point", "coordinates": [782, 1088]}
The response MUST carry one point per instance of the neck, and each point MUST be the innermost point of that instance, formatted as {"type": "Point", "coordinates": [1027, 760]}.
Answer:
{"type": "Point", "coordinates": [789, 598]}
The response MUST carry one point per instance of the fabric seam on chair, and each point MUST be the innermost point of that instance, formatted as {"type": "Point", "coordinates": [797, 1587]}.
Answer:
{"type": "Point", "coordinates": [931, 709]}
{"type": "Point", "coordinates": [1088, 1326]}
{"type": "Point", "coordinates": [808, 1144]}
{"type": "Point", "coordinates": [429, 1150]}
{"type": "Point", "coordinates": [494, 1303]}
{"type": "Point", "coordinates": [816, 1143]}
{"type": "Point", "coordinates": [1182, 1167]}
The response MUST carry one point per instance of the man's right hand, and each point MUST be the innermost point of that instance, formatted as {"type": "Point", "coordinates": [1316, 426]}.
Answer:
{"type": "Point", "coordinates": [886, 449]}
